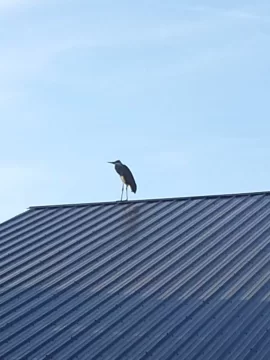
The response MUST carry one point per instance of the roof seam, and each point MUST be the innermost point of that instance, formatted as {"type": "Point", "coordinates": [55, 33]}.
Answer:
{"type": "Point", "coordinates": [182, 198]}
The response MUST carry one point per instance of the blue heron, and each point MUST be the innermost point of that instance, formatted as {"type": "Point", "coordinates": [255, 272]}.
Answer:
{"type": "Point", "coordinates": [126, 176]}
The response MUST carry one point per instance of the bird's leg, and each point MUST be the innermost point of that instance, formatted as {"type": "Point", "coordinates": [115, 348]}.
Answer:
{"type": "Point", "coordinates": [122, 192]}
{"type": "Point", "coordinates": [127, 192]}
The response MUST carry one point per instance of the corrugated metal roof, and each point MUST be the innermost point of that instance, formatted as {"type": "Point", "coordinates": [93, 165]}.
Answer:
{"type": "Point", "coordinates": [180, 278]}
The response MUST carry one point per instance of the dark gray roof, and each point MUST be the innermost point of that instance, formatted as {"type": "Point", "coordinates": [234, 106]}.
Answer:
{"type": "Point", "coordinates": [184, 278]}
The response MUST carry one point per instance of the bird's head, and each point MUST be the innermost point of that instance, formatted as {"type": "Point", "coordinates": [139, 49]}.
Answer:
{"type": "Point", "coordinates": [115, 162]}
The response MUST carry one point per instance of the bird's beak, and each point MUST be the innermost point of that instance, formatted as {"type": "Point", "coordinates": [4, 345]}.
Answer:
{"type": "Point", "coordinates": [110, 162]}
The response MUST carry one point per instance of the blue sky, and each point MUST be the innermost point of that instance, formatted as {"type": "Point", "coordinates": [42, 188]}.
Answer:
{"type": "Point", "coordinates": [177, 90]}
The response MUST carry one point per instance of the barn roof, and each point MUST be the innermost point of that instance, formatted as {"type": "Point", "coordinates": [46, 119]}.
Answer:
{"type": "Point", "coordinates": [181, 278]}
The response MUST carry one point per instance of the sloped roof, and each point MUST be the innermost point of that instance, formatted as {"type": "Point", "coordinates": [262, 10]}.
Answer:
{"type": "Point", "coordinates": [184, 278]}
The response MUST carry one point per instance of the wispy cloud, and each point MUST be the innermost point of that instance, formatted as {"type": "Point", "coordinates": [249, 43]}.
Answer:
{"type": "Point", "coordinates": [22, 61]}
{"type": "Point", "coordinates": [12, 4]}
{"type": "Point", "coordinates": [42, 48]}
{"type": "Point", "coordinates": [233, 13]}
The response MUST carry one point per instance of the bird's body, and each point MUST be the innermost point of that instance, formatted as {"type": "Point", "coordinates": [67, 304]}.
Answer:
{"type": "Point", "coordinates": [126, 176]}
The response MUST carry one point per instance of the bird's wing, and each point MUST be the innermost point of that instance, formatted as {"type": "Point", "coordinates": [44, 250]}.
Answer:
{"type": "Point", "coordinates": [129, 179]}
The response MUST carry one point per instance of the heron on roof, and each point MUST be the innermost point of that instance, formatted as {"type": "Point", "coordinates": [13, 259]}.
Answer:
{"type": "Point", "coordinates": [126, 176]}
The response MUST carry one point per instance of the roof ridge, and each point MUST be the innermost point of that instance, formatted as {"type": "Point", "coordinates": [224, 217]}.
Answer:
{"type": "Point", "coordinates": [180, 198]}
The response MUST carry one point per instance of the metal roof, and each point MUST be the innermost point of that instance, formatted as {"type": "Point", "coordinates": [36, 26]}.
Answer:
{"type": "Point", "coordinates": [184, 278]}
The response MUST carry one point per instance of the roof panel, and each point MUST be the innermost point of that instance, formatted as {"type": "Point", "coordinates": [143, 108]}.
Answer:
{"type": "Point", "coordinates": [178, 278]}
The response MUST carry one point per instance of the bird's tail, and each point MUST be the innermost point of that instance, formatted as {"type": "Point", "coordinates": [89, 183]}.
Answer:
{"type": "Point", "coordinates": [133, 188]}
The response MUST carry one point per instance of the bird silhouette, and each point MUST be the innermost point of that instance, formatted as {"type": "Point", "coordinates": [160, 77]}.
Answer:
{"type": "Point", "coordinates": [126, 177]}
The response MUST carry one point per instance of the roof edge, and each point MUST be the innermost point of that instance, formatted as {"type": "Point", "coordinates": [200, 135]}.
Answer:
{"type": "Point", "coordinates": [210, 196]}
{"type": "Point", "coordinates": [21, 214]}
